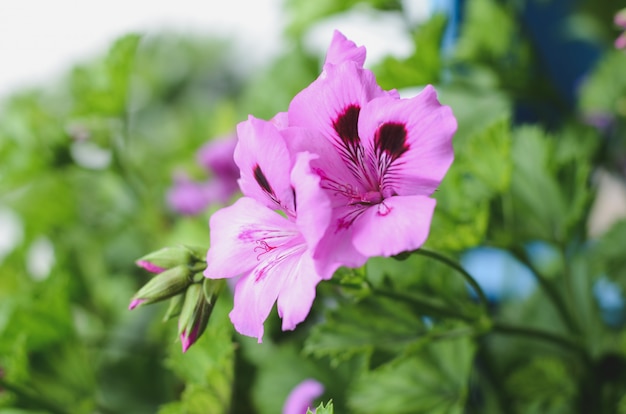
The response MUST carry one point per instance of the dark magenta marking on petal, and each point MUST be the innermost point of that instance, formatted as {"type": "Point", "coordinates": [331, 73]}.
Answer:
{"type": "Point", "coordinates": [262, 180]}
{"type": "Point", "coordinates": [391, 138]}
{"type": "Point", "coordinates": [346, 126]}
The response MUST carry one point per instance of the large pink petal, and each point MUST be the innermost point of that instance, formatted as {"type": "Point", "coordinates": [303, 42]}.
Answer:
{"type": "Point", "coordinates": [400, 224]}
{"type": "Point", "coordinates": [286, 273]}
{"type": "Point", "coordinates": [339, 87]}
{"type": "Point", "coordinates": [342, 50]}
{"type": "Point", "coordinates": [429, 129]}
{"type": "Point", "coordinates": [336, 248]}
{"type": "Point", "coordinates": [253, 302]}
{"type": "Point", "coordinates": [297, 291]}
{"type": "Point", "coordinates": [264, 161]}
{"type": "Point", "coordinates": [313, 204]}
{"type": "Point", "coordinates": [241, 234]}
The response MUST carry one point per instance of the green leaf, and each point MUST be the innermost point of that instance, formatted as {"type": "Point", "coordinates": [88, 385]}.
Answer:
{"type": "Point", "coordinates": [603, 90]}
{"type": "Point", "coordinates": [607, 255]}
{"type": "Point", "coordinates": [322, 409]}
{"type": "Point", "coordinates": [433, 380]}
{"type": "Point", "coordinates": [305, 13]}
{"type": "Point", "coordinates": [280, 369]}
{"type": "Point", "coordinates": [481, 170]}
{"type": "Point", "coordinates": [550, 190]}
{"type": "Point", "coordinates": [423, 66]}
{"type": "Point", "coordinates": [103, 88]}
{"type": "Point", "coordinates": [270, 91]}
{"type": "Point", "coordinates": [372, 323]}
{"type": "Point", "coordinates": [492, 40]}
{"type": "Point", "coordinates": [545, 385]}
{"type": "Point", "coordinates": [207, 367]}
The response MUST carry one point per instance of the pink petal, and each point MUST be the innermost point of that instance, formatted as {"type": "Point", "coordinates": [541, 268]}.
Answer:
{"type": "Point", "coordinates": [314, 207]}
{"type": "Point", "coordinates": [318, 208]}
{"type": "Point", "coordinates": [281, 120]}
{"type": "Point", "coordinates": [342, 50]}
{"type": "Point", "coordinates": [339, 87]}
{"type": "Point", "coordinates": [264, 161]}
{"type": "Point", "coordinates": [329, 165]}
{"type": "Point", "coordinates": [620, 19]}
{"type": "Point", "coordinates": [257, 291]}
{"type": "Point", "coordinates": [150, 267]}
{"type": "Point", "coordinates": [134, 303]}
{"type": "Point", "coordinates": [216, 156]}
{"type": "Point", "coordinates": [297, 291]}
{"type": "Point", "coordinates": [188, 197]}
{"type": "Point", "coordinates": [336, 247]}
{"type": "Point", "coordinates": [195, 198]}
{"type": "Point", "coordinates": [188, 340]}
{"type": "Point", "coordinates": [429, 129]}
{"type": "Point", "coordinates": [301, 398]}
{"type": "Point", "coordinates": [400, 224]}
{"type": "Point", "coordinates": [235, 234]}
{"type": "Point", "coordinates": [620, 42]}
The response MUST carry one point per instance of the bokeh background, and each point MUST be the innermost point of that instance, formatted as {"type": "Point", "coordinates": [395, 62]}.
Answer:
{"type": "Point", "coordinates": [104, 105]}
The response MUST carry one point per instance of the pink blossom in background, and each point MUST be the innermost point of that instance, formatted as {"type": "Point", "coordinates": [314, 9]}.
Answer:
{"type": "Point", "coordinates": [269, 250]}
{"type": "Point", "coordinates": [193, 197]}
{"type": "Point", "coordinates": [216, 156]}
{"type": "Point", "coordinates": [301, 398]}
{"type": "Point", "coordinates": [620, 21]}
{"type": "Point", "coordinates": [189, 197]}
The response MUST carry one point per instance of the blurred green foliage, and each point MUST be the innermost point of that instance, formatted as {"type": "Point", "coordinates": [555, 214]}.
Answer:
{"type": "Point", "coordinates": [85, 165]}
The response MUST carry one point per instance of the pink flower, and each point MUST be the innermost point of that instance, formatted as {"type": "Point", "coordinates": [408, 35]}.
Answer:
{"type": "Point", "coordinates": [620, 21]}
{"type": "Point", "coordinates": [192, 197]}
{"type": "Point", "coordinates": [271, 251]}
{"type": "Point", "coordinates": [381, 157]}
{"type": "Point", "coordinates": [216, 156]}
{"type": "Point", "coordinates": [301, 397]}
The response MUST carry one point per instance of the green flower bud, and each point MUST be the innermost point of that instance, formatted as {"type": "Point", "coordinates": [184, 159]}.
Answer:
{"type": "Point", "coordinates": [199, 301]}
{"type": "Point", "coordinates": [174, 308]}
{"type": "Point", "coordinates": [168, 257]}
{"type": "Point", "coordinates": [163, 286]}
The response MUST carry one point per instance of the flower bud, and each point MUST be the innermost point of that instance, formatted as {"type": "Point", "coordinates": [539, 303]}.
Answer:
{"type": "Point", "coordinates": [163, 286]}
{"type": "Point", "coordinates": [174, 308]}
{"type": "Point", "coordinates": [199, 301]}
{"type": "Point", "coordinates": [168, 257]}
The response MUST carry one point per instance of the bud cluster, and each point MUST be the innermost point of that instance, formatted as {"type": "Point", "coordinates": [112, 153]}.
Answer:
{"type": "Point", "coordinates": [179, 278]}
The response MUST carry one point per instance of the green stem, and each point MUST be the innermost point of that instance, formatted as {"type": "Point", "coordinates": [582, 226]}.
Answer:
{"type": "Point", "coordinates": [449, 262]}
{"type": "Point", "coordinates": [549, 289]}
{"type": "Point", "coordinates": [31, 397]}
{"type": "Point", "coordinates": [563, 341]}
{"type": "Point", "coordinates": [496, 327]}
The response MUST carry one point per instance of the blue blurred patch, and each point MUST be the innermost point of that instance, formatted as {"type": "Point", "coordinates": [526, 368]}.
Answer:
{"type": "Point", "coordinates": [610, 301]}
{"type": "Point", "coordinates": [499, 274]}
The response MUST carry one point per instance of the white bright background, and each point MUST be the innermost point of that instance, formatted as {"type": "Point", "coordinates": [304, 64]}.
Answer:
{"type": "Point", "coordinates": [42, 39]}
